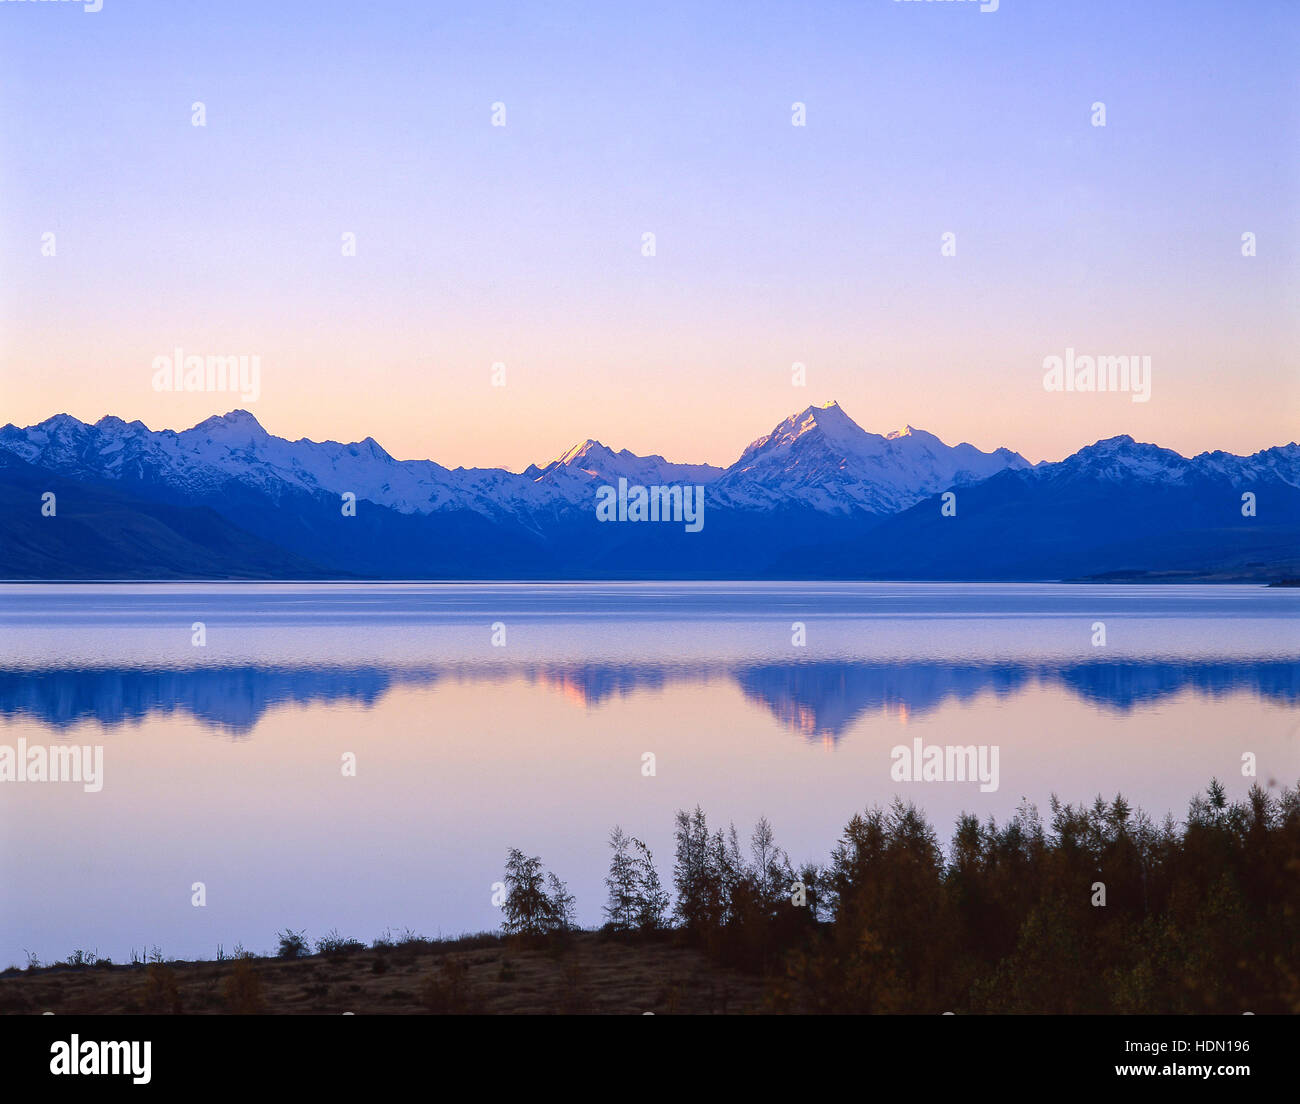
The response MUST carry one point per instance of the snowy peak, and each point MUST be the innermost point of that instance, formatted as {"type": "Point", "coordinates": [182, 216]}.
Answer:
{"type": "Point", "coordinates": [823, 457]}
{"type": "Point", "coordinates": [237, 429]}
{"type": "Point", "coordinates": [827, 424]}
{"type": "Point", "coordinates": [1281, 462]}
{"type": "Point", "coordinates": [236, 421]}
{"type": "Point", "coordinates": [1121, 457]}
{"type": "Point", "coordinates": [110, 424]}
{"type": "Point", "coordinates": [906, 431]}
{"type": "Point", "coordinates": [60, 422]}
{"type": "Point", "coordinates": [589, 455]}
{"type": "Point", "coordinates": [591, 462]}
{"type": "Point", "coordinates": [589, 447]}
{"type": "Point", "coordinates": [62, 427]}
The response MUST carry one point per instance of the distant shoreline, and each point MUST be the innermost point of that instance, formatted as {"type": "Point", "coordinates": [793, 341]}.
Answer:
{"type": "Point", "coordinates": [1129, 580]}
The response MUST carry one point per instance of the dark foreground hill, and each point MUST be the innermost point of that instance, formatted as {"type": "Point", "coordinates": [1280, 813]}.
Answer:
{"type": "Point", "coordinates": [586, 973]}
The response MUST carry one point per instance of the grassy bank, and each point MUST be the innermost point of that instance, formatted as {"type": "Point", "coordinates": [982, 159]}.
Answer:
{"type": "Point", "coordinates": [581, 972]}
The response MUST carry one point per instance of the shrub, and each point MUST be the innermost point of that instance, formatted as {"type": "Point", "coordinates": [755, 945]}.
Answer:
{"type": "Point", "coordinates": [160, 993]}
{"type": "Point", "coordinates": [242, 989]}
{"type": "Point", "coordinates": [448, 990]}
{"type": "Point", "coordinates": [293, 944]}
{"type": "Point", "coordinates": [335, 944]}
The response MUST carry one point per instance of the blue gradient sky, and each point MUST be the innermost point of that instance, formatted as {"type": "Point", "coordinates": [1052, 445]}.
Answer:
{"type": "Point", "coordinates": [775, 244]}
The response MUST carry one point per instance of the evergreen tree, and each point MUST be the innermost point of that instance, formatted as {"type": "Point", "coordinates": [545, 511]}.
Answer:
{"type": "Point", "coordinates": [651, 900]}
{"type": "Point", "coordinates": [772, 872]}
{"type": "Point", "coordinates": [528, 910]}
{"type": "Point", "coordinates": [691, 872]}
{"type": "Point", "coordinates": [621, 909]}
{"type": "Point", "coordinates": [560, 916]}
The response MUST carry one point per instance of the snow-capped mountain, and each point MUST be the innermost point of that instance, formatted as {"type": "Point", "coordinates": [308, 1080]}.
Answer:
{"type": "Point", "coordinates": [226, 499]}
{"type": "Point", "coordinates": [822, 458]}
{"type": "Point", "coordinates": [1122, 459]}
{"type": "Point", "coordinates": [576, 473]}
{"type": "Point", "coordinates": [234, 447]}
{"type": "Point", "coordinates": [1116, 509]}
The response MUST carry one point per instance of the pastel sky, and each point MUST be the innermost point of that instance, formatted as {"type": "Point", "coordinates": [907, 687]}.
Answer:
{"type": "Point", "coordinates": [775, 244]}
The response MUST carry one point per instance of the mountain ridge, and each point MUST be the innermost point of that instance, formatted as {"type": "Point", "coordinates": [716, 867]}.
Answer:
{"type": "Point", "coordinates": [816, 497]}
{"type": "Point", "coordinates": [868, 471]}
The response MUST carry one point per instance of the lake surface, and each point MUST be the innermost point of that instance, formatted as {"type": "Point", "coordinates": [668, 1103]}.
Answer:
{"type": "Point", "coordinates": [222, 763]}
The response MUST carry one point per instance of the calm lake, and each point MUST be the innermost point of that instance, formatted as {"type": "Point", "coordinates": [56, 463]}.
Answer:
{"type": "Point", "coordinates": [484, 717]}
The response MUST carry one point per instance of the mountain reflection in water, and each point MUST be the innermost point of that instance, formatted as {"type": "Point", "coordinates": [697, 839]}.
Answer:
{"type": "Point", "coordinates": [819, 700]}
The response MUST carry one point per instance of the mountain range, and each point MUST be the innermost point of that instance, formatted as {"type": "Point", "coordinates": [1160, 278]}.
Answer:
{"type": "Point", "coordinates": [820, 700]}
{"type": "Point", "coordinates": [817, 497]}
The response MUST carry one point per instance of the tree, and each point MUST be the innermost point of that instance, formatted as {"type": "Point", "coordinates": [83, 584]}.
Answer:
{"type": "Point", "coordinates": [691, 869]}
{"type": "Point", "coordinates": [528, 909]}
{"type": "Point", "coordinates": [772, 873]}
{"type": "Point", "coordinates": [651, 900]}
{"type": "Point", "coordinates": [730, 874]}
{"type": "Point", "coordinates": [622, 908]}
{"type": "Point", "coordinates": [561, 913]}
